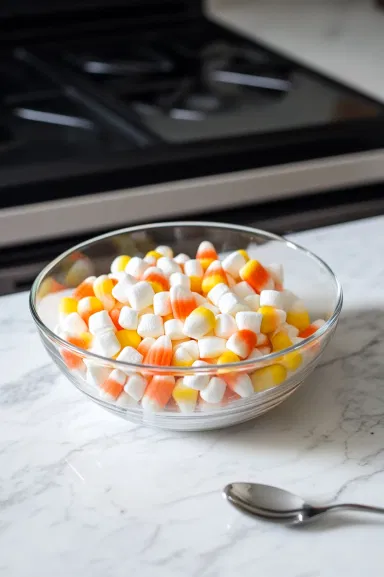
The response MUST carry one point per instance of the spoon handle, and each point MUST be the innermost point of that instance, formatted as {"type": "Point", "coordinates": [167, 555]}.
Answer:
{"type": "Point", "coordinates": [351, 507]}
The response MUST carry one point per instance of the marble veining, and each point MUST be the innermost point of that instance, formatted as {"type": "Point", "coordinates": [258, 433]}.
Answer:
{"type": "Point", "coordinates": [84, 493]}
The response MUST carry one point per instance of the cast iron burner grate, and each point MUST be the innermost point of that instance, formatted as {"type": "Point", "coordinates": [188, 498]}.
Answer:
{"type": "Point", "coordinates": [219, 78]}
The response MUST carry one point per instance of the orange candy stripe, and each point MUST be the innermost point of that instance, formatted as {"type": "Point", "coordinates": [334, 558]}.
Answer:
{"type": "Point", "coordinates": [85, 289]}
{"type": "Point", "coordinates": [71, 359]}
{"type": "Point", "coordinates": [206, 250]}
{"type": "Point", "coordinates": [182, 302]}
{"type": "Point", "coordinates": [255, 275]}
{"type": "Point", "coordinates": [112, 387]}
{"type": "Point", "coordinates": [206, 254]}
{"type": "Point", "coordinates": [160, 389]}
{"type": "Point", "coordinates": [114, 314]}
{"type": "Point", "coordinates": [214, 275]}
{"type": "Point", "coordinates": [160, 353]}
{"type": "Point", "coordinates": [308, 332]}
{"type": "Point", "coordinates": [157, 279]}
{"type": "Point", "coordinates": [249, 338]}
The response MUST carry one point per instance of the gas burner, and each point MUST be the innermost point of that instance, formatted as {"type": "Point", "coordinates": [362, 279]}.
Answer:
{"type": "Point", "coordinates": [199, 45]}
{"type": "Point", "coordinates": [221, 76]}
{"type": "Point", "coordinates": [189, 100]}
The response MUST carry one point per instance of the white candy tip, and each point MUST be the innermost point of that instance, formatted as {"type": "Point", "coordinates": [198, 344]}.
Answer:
{"type": "Point", "coordinates": [150, 405]}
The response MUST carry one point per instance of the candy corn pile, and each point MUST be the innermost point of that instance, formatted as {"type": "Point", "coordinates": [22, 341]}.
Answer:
{"type": "Point", "coordinates": [184, 312]}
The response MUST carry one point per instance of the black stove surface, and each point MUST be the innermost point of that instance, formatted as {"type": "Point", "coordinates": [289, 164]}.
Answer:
{"type": "Point", "coordinates": [199, 84]}
{"type": "Point", "coordinates": [125, 101]}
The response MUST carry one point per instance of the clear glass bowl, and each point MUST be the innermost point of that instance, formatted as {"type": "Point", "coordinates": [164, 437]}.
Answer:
{"type": "Point", "coordinates": [305, 274]}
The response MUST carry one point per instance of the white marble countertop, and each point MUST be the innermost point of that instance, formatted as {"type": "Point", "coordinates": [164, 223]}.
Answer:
{"type": "Point", "coordinates": [343, 39]}
{"type": "Point", "coordinates": [83, 493]}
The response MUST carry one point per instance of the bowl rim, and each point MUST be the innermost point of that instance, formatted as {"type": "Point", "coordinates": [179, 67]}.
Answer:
{"type": "Point", "coordinates": [183, 371]}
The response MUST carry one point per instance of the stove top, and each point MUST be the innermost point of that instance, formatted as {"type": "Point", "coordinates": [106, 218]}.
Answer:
{"type": "Point", "coordinates": [41, 122]}
{"type": "Point", "coordinates": [202, 85]}
{"type": "Point", "coordinates": [119, 100]}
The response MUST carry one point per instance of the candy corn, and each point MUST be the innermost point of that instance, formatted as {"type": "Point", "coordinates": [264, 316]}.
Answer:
{"type": "Point", "coordinates": [115, 315]}
{"type": "Point", "coordinates": [164, 250]}
{"type": "Point", "coordinates": [206, 254]}
{"type": "Point", "coordinates": [271, 319]}
{"type": "Point", "coordinates": [182, 302]}
{"type": "Point", "coordinates": [156, 279]}
{"type": "Point", "coordinates": [268, 377]}
{"type": "Point", "coordinates": [152, 257]}
{"type": "Point", "coordinates": [195, 272]}
{"type": "Point", "coordinates": [242, 343]}
{"type": "Point", "coordinates": [311, 329]}
{"type": "Point", "coordinates": [199, 323]}
{"type": "Point", "coordinates": [119, 263]}
{"type": "Point", "coordinates": [74, 325]}
{"type": "Point", "coordinates": [114, 385]}
{"type": "Point", "coordinates": [226, 358]}
{"type": "Point", "coordinates": [214, 391]}
{"type": "Point", "coordinates": [103, 287]}
{"type": "Point", "coordinates": [135, 386]}
{"type": "Point", "coordinates": [185, 397]}
{"type": "Point", "coordinates": [240, 383]}
{"type": "Point", "coordinates": [85, 289]}
{"type": "Point", "coordinates": [280, 341]}
{"type": "Point", "coordinates": [145, 345]}
{"type": "Point", "coordinates": [128, 338]}
{"type": "Point", "coordinates": [213, 276]}
{"type": "Point", "coordinates": [181, 259]}
{"type": "Point", "coordinates": [298, 316]}
{"type": "Point", "coordinates": [256, 276]}
{"type": "Point", "coordinates": [73, 360]}
{"type": "Point", "coordinates": [160, 352]}
{"type": "Point", "coordinates": [158, 393]}
{"type": "Point", "coordinates": [186, 313]}
{"type": "Point", "coordinates": [88, 306]}
{"type": "Point", "coordinates": [68, 305]}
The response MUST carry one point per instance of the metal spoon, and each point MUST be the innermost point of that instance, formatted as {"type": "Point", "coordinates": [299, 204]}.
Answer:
{"type": "Point", "coordinates": [281, 506]}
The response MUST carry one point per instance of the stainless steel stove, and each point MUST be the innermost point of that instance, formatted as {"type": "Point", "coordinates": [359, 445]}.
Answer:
{"type": "Point", "coordinates": [115, 114]}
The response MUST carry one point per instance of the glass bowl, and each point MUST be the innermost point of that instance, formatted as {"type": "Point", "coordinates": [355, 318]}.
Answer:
{"type": "Point", "coordinates": [305, 274]}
